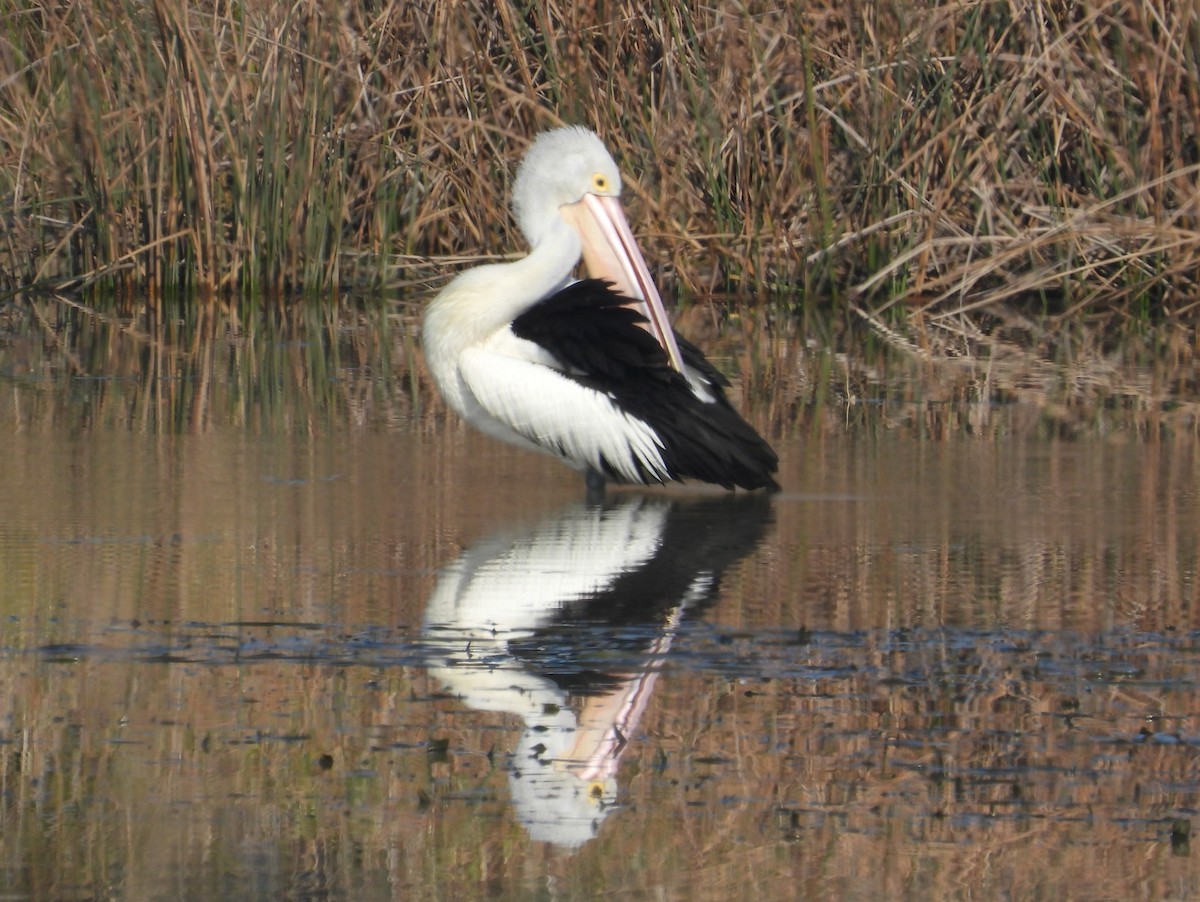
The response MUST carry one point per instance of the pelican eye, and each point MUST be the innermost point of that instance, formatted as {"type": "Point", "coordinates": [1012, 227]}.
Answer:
{"type": "Point", "coordinates": [600, 182]}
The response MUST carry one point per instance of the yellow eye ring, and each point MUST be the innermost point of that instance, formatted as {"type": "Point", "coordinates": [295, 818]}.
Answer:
{"type": "Point", "coordinates": [600, 181]}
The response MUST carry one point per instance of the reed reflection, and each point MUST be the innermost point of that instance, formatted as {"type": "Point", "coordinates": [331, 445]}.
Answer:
{"type": "Point", "coordinates": [567, 622]}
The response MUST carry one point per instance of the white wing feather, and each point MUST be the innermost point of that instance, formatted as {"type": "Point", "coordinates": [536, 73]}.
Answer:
{"type": "Point", "coordinates": [560, 415]}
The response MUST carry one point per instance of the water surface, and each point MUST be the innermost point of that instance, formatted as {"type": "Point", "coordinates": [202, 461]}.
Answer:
{"type": "Point", "coordinates": [274, 627]}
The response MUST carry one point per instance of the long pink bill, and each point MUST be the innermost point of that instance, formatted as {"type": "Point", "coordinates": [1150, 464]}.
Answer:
{"type": "Point", "coordinates": [610, 252]}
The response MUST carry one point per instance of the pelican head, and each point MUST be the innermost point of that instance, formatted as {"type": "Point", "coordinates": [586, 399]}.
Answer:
{"type": "Point", "coordinates": [560, 168]}
{"type": "Point", "coordinates": [568, 176]}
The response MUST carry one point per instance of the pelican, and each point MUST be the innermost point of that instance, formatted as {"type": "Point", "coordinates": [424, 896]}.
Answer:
{"type": "Point", "coordinates": [586, 370]}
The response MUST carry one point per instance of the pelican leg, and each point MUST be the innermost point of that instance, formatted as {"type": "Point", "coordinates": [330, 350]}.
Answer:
{"type": "Point", "coordinates": [595, 483]}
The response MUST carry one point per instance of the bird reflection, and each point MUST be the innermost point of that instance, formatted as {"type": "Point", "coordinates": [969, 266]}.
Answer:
{"type": "Point", "coordinates": [566, 623]}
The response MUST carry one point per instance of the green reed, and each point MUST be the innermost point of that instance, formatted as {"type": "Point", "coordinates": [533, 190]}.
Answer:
{"type": "Point", "coordinates": [939, 160]}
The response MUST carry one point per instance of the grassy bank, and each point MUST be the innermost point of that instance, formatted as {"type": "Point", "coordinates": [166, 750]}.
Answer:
{"type": "Point", "coordinates": [925, 158]}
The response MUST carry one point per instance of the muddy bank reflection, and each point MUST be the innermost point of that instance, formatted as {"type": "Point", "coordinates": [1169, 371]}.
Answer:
{"type": "Point", "coordinates": [566, 624]}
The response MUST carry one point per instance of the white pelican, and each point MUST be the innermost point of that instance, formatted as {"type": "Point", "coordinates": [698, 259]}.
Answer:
{"type": "Point", "coordinates": [588, 371]}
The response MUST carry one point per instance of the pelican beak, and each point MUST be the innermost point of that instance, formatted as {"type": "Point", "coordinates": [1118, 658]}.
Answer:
{"type": "Point", "coordinates": [605, 722]}
{"type": "Point", "coordinates": [610, 252]}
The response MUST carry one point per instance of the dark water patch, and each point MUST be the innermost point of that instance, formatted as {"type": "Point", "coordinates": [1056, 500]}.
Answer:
{"type": "Point", "coordinates": [173, 539]}
{"type": "Point", "coordinates": [298, 480]}
{"type": "Point", "coordinates": [958, 669]}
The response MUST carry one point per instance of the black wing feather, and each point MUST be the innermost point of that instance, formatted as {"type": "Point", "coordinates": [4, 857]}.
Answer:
{"type": "Point", "coordinates": [602, 343]}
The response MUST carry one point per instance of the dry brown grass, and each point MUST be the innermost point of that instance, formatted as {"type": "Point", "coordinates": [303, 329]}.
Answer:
{"type": "Point", "coordinates": [927, 160]}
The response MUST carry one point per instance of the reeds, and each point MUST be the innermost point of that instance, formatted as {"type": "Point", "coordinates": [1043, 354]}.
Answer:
{"type": "Point", "coordinates": [934, 159]}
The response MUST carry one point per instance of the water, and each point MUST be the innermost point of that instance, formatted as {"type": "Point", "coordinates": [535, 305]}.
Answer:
{"type": "Point", "coordinates": [272, 627]}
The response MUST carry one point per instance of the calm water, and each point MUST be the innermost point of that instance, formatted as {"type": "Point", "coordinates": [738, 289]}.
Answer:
{"type": "Point", "coordinates": [273, 627]}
